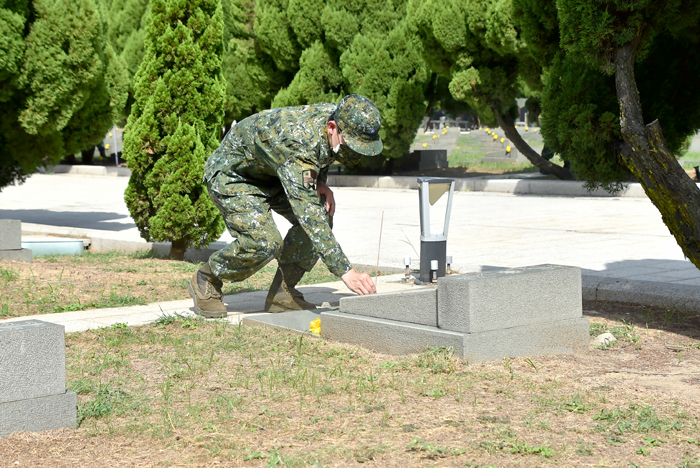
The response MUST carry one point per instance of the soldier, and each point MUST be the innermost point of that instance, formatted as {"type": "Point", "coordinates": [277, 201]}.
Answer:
{"type": "Point", "coordinates": [278, 160]}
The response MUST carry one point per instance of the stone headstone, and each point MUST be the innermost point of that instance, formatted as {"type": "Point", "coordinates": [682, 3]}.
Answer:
{"type": "Point", "coordinates": [432, 159]}
{"type": "Point", "coordinates": [491, 300]}
{"type": "Point", "coordinates": [33, 394]}
{"type": "Point", "coordinates": [11, 241]}
{"type": "Point", "coordinates": [10, 234]}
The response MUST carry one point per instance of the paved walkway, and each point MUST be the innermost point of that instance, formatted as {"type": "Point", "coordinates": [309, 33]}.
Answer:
{"type": "Point", "coordinates": [615, 238]}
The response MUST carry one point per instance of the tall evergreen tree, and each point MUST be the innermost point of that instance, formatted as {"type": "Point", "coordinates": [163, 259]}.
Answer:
{"type": "Point", "coordinates": [252, 76]}
{"type": "Point", "coordinates": [61, 84]}
{"type": "Point", "coordinates": [175, 124]}
{"type": "Point", "coordinates": [127, 24]}
{"type": "Point", "coordinates": [334, 48]}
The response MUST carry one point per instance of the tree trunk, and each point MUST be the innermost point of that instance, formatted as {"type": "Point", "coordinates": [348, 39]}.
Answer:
{"type": "Point", "coordinates": [508, 126]}
{"type": "Point", "coordinates": [177, 249]}
{"type": "Point", "coordinates": [87, 155]}
{"type": "Point", "coordinates": [645, 153]}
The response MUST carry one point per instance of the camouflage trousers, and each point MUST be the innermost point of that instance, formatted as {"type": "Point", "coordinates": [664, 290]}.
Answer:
{"type": "Point", "coordinates": [248, 217]}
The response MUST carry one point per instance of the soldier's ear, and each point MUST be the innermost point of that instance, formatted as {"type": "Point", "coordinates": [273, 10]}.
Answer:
{"type": "Point", "coordinates": [332, 126]}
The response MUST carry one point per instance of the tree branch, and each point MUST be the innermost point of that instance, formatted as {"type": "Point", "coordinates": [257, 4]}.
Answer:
{"type": "Point", "coordinates": [505, 121]}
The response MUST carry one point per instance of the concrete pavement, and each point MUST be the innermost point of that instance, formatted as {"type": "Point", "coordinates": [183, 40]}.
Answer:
{"type": "Point", "coordinates": [621, 244]}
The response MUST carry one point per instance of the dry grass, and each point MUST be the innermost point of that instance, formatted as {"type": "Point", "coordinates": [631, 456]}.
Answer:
{"type": "Point", "coordinates": [189, 392]}
{"type": "Point", "coordinates": [63, 283]}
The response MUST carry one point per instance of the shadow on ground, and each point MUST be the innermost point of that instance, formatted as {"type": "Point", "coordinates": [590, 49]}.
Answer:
{"type": "Point", "coordinates": [77, 219]}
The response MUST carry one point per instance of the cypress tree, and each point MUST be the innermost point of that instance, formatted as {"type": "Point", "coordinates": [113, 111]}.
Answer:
{"type": "Point", "coordinates": [477, 46]}
{"type": "Point", "coordinates": [61, 84]}
{"type": "Point", "coordinates": [252, 76]}
{"type": "Point", "coordinates": [338, 47]}
{"type": "Point", "coordinates": [175, 124]}
{"type": "Point", "coordinates": [127, 23]}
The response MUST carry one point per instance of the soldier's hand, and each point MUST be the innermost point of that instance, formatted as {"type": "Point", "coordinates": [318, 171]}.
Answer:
{"type": "Point", "coordinates": [359, 283]}
{"type": "Point", "coordinates": [324, 191]}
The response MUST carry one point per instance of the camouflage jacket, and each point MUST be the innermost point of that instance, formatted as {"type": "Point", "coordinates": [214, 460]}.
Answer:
{"type": "Point", "coordinates": [289, 146]}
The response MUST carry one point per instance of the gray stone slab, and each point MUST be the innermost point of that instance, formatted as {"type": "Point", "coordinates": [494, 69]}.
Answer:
{"type": "Point", "coordinates": [414, 306]}
{"type": "Point", "coordinates": [39, 414]}
{"type": "Point", "coordinates": [386, 336]}
{"type": "Point", "coordinates": [32, 360]}
{"type": "Point", "coordinates": [21, 255]}
{"type": "Point", "coordinates": [10, 234]}
{"type": "Point", "coordinates": [298, 320]}
{"type": "Point", "coordinates": [490, 300]}
{"type": "Point", "coordinates": [559, 337]}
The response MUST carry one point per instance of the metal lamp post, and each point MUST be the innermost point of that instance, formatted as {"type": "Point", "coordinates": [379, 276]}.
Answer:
{"type": "Point", "coordinates": [433, 246]}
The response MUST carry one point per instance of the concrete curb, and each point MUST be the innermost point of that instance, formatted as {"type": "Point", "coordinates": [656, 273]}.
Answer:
{"type": "Point", "coordinates": [680, 296]}
{"type": "Point", "coordinates": [473, 184]}
{"type": "Point", "coordinates": [479, 184]}
{"type": "Point", "coordinates": [112, 171]}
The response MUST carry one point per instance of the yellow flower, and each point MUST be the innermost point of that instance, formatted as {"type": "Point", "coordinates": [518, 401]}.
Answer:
{"type": "Point", "coordinates": [110, 133]}
{"type": "Point", "coordinates": [527, 128]}
{"type": "Point", "coordinates": [425, 145]}
{"type": "Point", "coordinates": [434, 137]}
{"type": "Point", "coordinates": [495, 137]}
{"type": "Point", "coordinates": [508, 149]}
{"type": "Point", "coordinates": [447, 126]}
{"type": "Point", "coordinates": [107, 146]}
{"type": "Point", "coordinates": [315, 326]}
{"type": "Point", "coordinates": [502, 140]}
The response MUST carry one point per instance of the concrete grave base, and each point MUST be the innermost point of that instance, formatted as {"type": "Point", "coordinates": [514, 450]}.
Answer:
{"type": "Point", "coordinates": [510, 312]}
{"type": "Point", "coordinates": [39, 414]}
{"type": "Point", "coordinates": [19, 255]}
{"type": "Point", "coordinates": [296, 321]}
{"type": "Point", "coordinates": [397, 338]}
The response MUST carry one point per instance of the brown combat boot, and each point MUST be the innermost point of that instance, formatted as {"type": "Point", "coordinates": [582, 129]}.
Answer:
{"type": "Point", "coordinates": [205, 289]}
{"type": "Point", "coordinates": [283, 296]}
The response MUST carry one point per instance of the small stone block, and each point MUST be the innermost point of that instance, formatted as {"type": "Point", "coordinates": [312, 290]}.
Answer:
{"type": "Point", "coordinates": [501, 299]}
{"type": "Point", "coordinates": [387, 336]}
{"type": "Point", "coordinates": [413, 306]}
{"type": "Point", "coordinates": [560, 337]}
{"type": "Point", "coordinates": [39, 414]}
{"type": "Point", "coordinates": [22, 255]}
{"type": "Point", "coordinates": [32, 360]}
{"type": "Point", "coordinates": [10, 234]}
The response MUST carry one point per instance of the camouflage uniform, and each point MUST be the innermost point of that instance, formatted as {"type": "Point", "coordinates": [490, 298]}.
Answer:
{"type": "Point", "coordinates": [272, 160]}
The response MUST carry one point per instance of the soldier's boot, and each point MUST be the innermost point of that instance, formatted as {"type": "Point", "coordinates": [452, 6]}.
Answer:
{"type": "Point", "coordinates": [205, 289]}
{"type": "Point", "coordinates": [283, 296]}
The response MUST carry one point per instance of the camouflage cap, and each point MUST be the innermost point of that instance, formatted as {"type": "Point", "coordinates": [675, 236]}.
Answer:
{"type": "Point", "coordinates": [359, 121]}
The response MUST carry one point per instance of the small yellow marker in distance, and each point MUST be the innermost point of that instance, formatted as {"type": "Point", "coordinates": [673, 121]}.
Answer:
{"type": "Point", "coordinates": [107, 146]}
{"type": "Point", "coordinates": [527, 128]}
{"type": "Point", "coordinates": [495, 137]}
{"type": "Point", "coordinates": [434, 137]}
{"type": "Point", "coordinates": [425, 145]}
{"type": "Point", "coordinates": [508, 149]}
{"type": "Point", "coordinates": [503, 140]}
